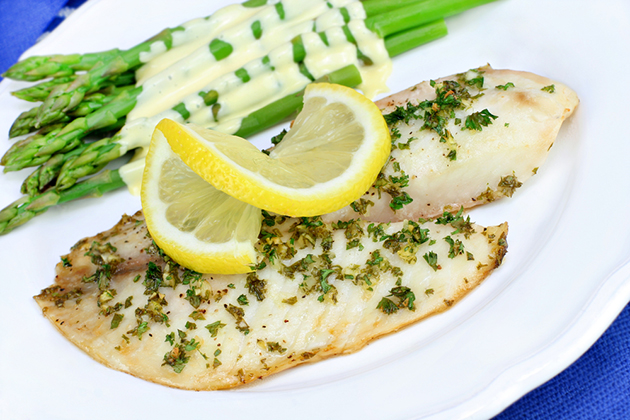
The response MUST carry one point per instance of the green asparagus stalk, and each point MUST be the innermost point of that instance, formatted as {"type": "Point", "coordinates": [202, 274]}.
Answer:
{"type": "Point", "coordinates": [62, 99]}
{"type": "Point", "coordinates": [87, 161]}
{"type": "Point", "coordinates": [37, 68]}
{"type": "Point", "coordinates": [41, 67]}
{"type": "Point", "coordinates": [28, 122]}
{"type": "Point", "coordinates": [25, 208]}
{"type": "Point", "coordinates": [416, 14]}
{"type": "Point", "coordinates": [40, 91]}
{"type": "Point", "coordinates": [49, 171]}
{"type": "Point", "coordinates": [36, 152]}
{"type": "Point", "coordinates": [376, 7]}
{"type": "Point", "coordinates": [25, 123]}
{"type": "Point", "coordinates": [403, 41]}
{"type": "Point", "coordinates": [95, 101]}
{"type": "Point", "coordinates": [43, 176]}
{"type": "Point", "coordinates": [23, 153]}
{"type": "Point", "coordinates": [284, 108]}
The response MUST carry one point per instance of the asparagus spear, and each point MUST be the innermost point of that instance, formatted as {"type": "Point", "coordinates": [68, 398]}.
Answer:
{"type": "Point", "coordinates": [87, 162]}
{"type": "Point", "coordinates": [25, 208]}
{"type": "Point", "coordinates": [40, 91]}
{"type": "Point", "coordinates": [25, 123]}
{"type": "Point", "coordinates": [29, 122]}
{"type": "Point", "coordinates": [40, 67]}
{"type": "Point", "coordinates": [48, 172]}
{"type": "Point", "coordinates": [64, 98]}
{"type": "Point", "coordinates": [23, 153]}
{"type": "Point", "coordinates": [418, 13]}
{"type": "Point", "coordinates": [34, 153]}
{"type": "Point", "coordinates": [61, 100]}
{"type": "Point", "coordinates": [403, 41]}
{"type": "Point", "coordinates": [40, 179]}
{"type": "Point", "coordinates": [375, 7]}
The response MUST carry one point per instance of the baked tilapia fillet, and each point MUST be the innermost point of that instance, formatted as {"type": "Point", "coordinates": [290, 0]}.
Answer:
{"type": "Point", "coordinates": [320, 290]}
{"type": "Point", "coordinates": [463, 140]}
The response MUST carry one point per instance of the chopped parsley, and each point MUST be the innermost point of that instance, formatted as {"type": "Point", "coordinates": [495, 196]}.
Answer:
{"type": "Point", "coordinates": [179, 356]}
{"type": "Point", "coordinates": [275, 347]}
{"type": "Point", "coordinates": [549, 89]}
{"type": "Point", "coordinates": [214, 328]}
{"type": "Point", "coordinates": [456, 247]}
{"type": "Point", "coordinates": [256, 287]}
{"type": "Point", "coordinates": [238, 314]}
{"type": "Point", "coordinates": [437, 113]}
{"type": "Point", "coordinates": [508, 185]}
{"type": "Point", "coordinates": [361, 205]}
{"type": "Point", "coordinates": [478, 120]}
{"type": "Point", "coordinates": [242, 300]}
{"type": "Point", "coordinates": [277, 139]}
{"type": "Point", "coordinates": [457, 221]}
{"type": "Point", "coordinates": [431, 258]}
{"type": "Point", "coordinates": [505, 86]}
{"type": "Point", "coordinates": [403, 298]}
{"type": "Point", "coordinates": [116, 321]}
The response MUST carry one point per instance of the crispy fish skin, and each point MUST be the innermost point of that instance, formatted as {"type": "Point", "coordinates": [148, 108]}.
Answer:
{"type": "Point", "coordinates": [490, 164]}
{"type": "Point", "coordinates": [325, 291]}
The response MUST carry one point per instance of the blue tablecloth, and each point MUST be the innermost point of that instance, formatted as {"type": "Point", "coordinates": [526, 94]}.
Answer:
{"type": "Point", "coordinates": [597, 386]}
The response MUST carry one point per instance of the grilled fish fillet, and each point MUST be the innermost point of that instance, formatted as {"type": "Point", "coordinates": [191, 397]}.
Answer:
{"type": "Point", "coordinates": [471, 166]}
{"type": "Point", "coordinates": [325, 290]}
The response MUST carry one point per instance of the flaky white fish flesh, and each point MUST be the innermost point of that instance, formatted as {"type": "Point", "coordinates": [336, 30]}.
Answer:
{"type": "Point", "coordinates": [488, 164]}
{"type": "Point", "coordinates": [120, 301]}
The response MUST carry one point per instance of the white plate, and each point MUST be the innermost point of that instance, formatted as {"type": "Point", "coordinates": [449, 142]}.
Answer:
{"type": "Point", "coordinates": [566, 276]}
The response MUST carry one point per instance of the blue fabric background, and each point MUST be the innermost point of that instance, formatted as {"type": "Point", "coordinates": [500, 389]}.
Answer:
{"type": "Point", "coordinates": [597, 386]}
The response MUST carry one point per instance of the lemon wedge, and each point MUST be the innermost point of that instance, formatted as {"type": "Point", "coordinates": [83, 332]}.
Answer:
{"type": "Point", "coordinates": [331, 155]}
{"type": "Point", "coordinates": [197, 225]}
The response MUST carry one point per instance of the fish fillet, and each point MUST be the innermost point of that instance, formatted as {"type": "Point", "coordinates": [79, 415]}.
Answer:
{"type": "Point", "coordinates": [325, 290]}
{"type": "Point", "coordinates": [488, 164]}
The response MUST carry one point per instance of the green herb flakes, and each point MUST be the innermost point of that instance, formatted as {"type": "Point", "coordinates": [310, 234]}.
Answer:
{"type": "Point", "coordinates": [549, 89]}
{"type": "Point", "coordinates": [116, 319]}
{"type": "Point", "coordinates": [505, 86]}
{"type": "Point", "coordinates": [214, 328]}
{"type": "Point", "coordinates": [478, 120]}
{"type": "Point", "coordinates": [431, 258]}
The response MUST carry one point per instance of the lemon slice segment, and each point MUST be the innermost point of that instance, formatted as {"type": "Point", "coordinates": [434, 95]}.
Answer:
{"type": "Point", "coordinates": [333, 153]}
{"type": "Point", "coordinates": [197, 225]}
